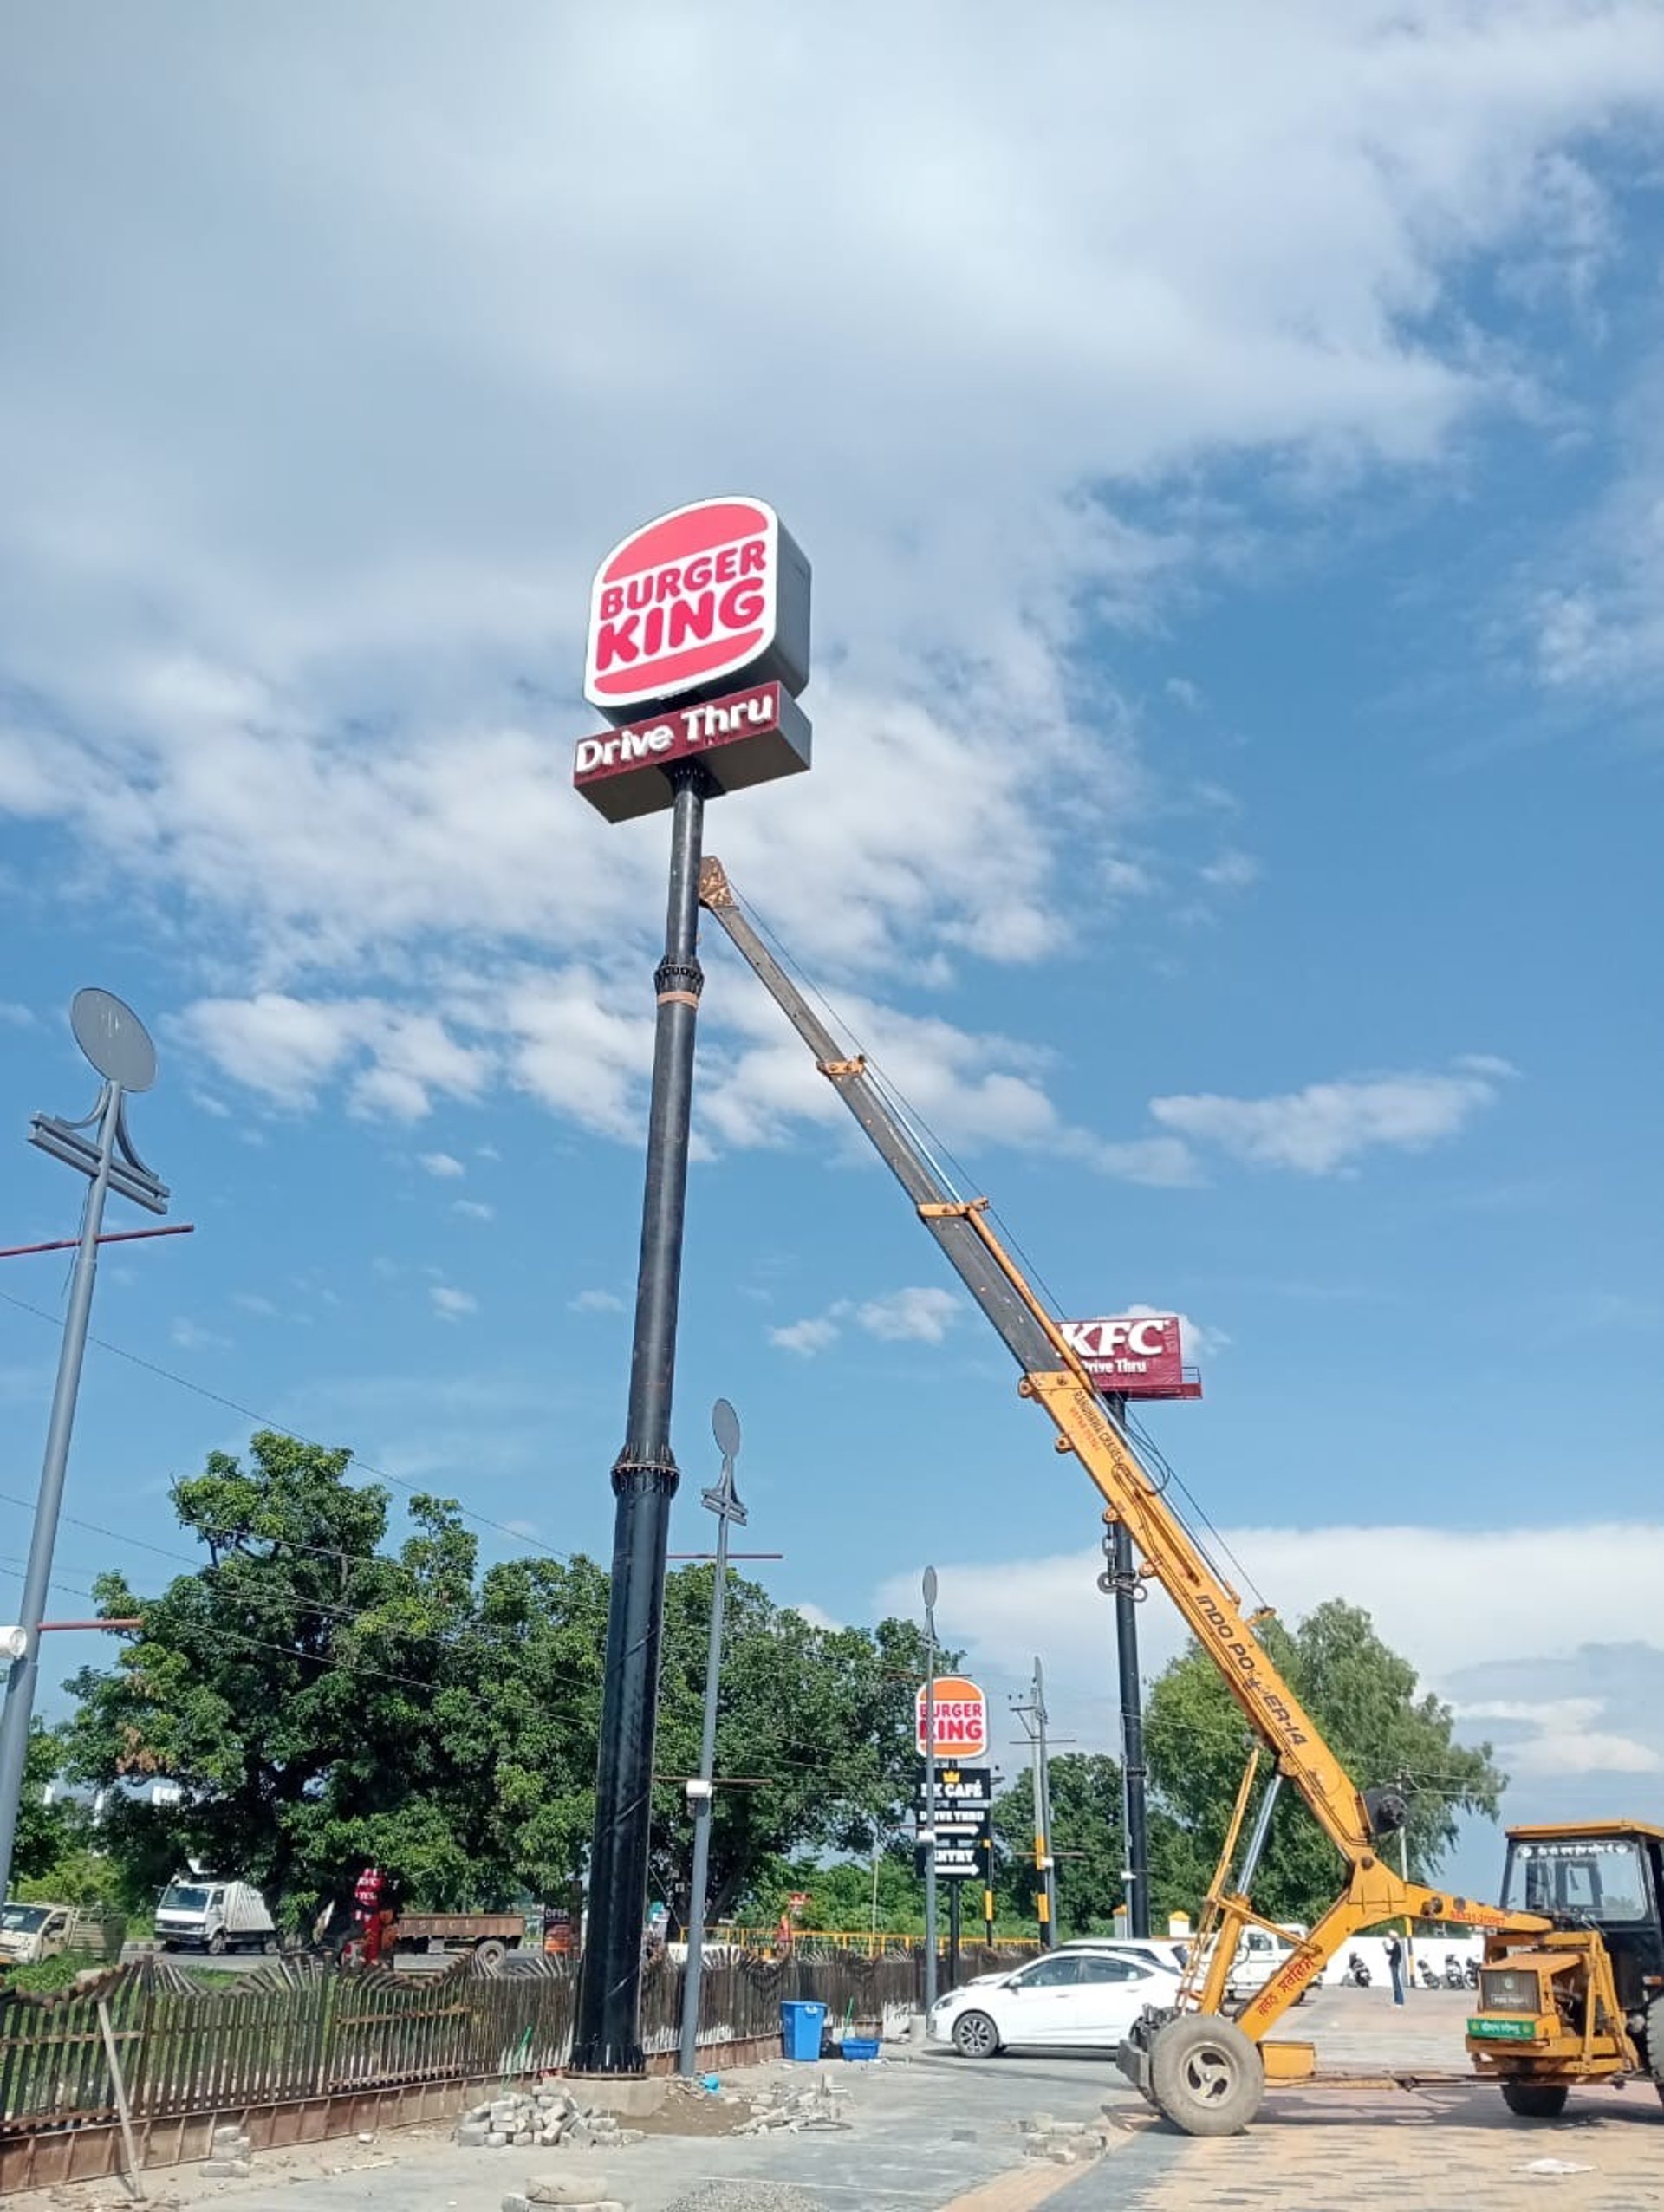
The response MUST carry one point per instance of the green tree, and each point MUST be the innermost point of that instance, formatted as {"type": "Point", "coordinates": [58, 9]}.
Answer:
{"type": "Point", "coordinates": [320, 1696]}
{"type": "Point", "coordinates": [1086, 1843]}
{"type": "Point", "coordinates": [46, 1831]}
{"type": "Point", "coordinates": [289, 1686]}
{"type": "Point", "coordinates": [815, 1725]}
{"type": "Point", "coordinates": [1380, 1724]}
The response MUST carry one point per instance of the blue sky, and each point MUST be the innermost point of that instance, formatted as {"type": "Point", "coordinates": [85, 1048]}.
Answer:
{"type": "Point", "coordinates": [1231, 468]}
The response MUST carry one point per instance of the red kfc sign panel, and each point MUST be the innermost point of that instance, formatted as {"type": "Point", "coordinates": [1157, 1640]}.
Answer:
{"type": "Point", "coordinates": [1138, 1354]}
{"type": "Point", "coordinates": [693, 604]}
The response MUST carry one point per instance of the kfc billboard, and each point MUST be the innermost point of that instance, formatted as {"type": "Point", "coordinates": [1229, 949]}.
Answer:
{"type": "Point", "coordinates": [708, 598]}
{"type": "Point", "coordinates": [1139, 1355]}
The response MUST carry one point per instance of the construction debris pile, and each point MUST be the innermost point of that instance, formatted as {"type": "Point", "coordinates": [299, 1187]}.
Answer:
{"type": "Point", "coordinates": [542, 2119]}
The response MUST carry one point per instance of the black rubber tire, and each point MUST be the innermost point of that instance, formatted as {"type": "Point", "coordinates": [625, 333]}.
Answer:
{"type": "Point", "coordinates": [489, 1955]}
{"type": "Point", "coordinates": [271, 1947]}
{"type": "Point", "coordinates": [1534, 2100]}
{"type": "Point", "coordinates": [1206, 2078]}
{"type": "Point", "coordinates": [216, 1944]}
{"type": "Point", "coordinates": [975, 2036]}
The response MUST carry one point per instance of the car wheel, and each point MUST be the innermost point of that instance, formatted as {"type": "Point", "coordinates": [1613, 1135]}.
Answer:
{"type": "Point", "coordinates": [975, 2036]}
{"type": "Point", "coordinates": [216, 1943]}
{"type": "Point", "coordinates": [489, 1955]}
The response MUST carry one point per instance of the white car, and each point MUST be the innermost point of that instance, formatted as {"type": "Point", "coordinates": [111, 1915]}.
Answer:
{"type": "Point", "coordinates": [1167, 1952]}
{"type": "Point", "coordinates": [1085, 1998]}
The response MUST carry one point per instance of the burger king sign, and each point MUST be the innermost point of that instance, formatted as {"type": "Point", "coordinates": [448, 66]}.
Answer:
{"type": "Point", "coordinates": [699, 608]}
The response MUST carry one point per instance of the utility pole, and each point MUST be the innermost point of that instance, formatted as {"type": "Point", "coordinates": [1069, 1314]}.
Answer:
{"type": "Point", "coordinates": [607, 2038]}
{"type": "Point", "coordinates": [929, 1592]}
{"type": "Point", "coordinates": [1033, 1717]}
{"type": "Point", "coordinates": [116, 1041]}
{"type": "Point", "coordinates": [1121, 1578]}
{"type": "Point", "coordinates": [724, 1502]}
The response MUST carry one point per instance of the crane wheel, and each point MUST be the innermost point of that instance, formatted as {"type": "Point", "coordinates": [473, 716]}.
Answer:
{"type": "Point", "coordinates": [1205, 2077]}
{"type": "Point", "coordinates": [1534, 2100]}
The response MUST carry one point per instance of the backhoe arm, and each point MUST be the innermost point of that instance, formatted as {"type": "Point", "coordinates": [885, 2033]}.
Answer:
{"type": "Point", "coordinates": [1054, 1376]}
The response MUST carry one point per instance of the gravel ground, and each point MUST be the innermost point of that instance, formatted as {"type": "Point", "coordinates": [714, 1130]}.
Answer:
{"type": "Point", "coordinates": [745, 2196]}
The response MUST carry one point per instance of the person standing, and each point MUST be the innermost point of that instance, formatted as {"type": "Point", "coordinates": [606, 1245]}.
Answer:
{"type": "Point", "coordinates": [1395, 1966]}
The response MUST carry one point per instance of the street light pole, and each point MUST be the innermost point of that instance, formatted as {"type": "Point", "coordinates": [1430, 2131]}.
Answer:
{"type": "Point", "coordinates": [930, 1789]}
{"type": "Point", "coordinates": [1122, 1580]}
{"type": "Point", "coordinates": [607, 2038]}
{"type": "Point", "coordinates": [115, 1041]}
{"type": "Point", "coordinates": [724, 1502]}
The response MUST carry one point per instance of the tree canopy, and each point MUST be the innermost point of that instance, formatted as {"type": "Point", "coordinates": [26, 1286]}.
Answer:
{"type": "Point", "coordinates": [320, 1695]}
{"type": "Point", "coordinates": [1366, 1699]}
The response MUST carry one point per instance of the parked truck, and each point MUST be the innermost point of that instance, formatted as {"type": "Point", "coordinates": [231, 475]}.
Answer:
{"type": "Point", "coordinates": [212, 1916]}
{"type": "Point", "coordinates": [490, 1935]}
{"type": "Point", "coordinates": [31, 1932]}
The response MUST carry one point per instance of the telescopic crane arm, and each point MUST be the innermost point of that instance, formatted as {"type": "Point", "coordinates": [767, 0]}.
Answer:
{"type": "Point", "coordinates": [1055, 1377]}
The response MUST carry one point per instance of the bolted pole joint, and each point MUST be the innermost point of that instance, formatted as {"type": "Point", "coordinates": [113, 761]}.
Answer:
{"type": "Point", "coordinates": [678, 980]}
{"type": "Point", "coordinates": [654, 1474]}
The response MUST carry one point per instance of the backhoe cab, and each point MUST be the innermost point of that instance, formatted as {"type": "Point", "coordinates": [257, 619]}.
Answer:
{"type": "Point", "coordinates": [1583, 2000]}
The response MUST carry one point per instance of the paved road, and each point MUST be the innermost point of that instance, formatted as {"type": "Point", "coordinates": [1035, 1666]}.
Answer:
{"type": "Point", "coordinates": [934, 2133]}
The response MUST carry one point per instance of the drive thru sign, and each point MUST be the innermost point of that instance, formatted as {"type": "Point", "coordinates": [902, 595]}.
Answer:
{"type": "Point", "coordinates": [961, 1721]}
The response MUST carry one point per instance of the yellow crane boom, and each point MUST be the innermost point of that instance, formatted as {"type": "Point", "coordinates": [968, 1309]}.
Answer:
{"type": "Point", "coordinates": [1193, 2064]}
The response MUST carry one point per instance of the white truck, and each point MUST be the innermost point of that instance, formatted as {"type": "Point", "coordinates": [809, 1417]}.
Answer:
{"type": "Point", "coordinates": [213, 1915]}
{"type": "Point", "coordinates": [29, 1934]}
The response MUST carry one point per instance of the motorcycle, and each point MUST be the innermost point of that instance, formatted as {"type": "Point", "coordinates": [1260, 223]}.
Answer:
{"type": "Point", "coordinates": [1357, 1973]}
{"type": "Point", "coordinates": [1455, 1972]}
{"type": "Point", "coordinates": [1470, 1973]}
{"type": "Point", "coordinates": [1428, 1975]}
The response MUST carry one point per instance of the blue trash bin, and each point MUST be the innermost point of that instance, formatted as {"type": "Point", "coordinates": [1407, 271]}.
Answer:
{"type": "Point", "coordinates": [800, 2029]}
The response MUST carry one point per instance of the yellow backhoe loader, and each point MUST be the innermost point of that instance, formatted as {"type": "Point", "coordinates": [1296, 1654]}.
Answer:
{"type": "Point", "coordinates": [1565, 1997]}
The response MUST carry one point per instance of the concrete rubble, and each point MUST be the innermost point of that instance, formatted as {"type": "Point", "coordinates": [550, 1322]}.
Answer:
{"type": "Point", "coordinates": [542, 2119]}
{"type": "Point", "coordinates": [1064, 2143]}
{"type": "Point", "coordinates": [789, 2109]}
{"type": "Point", "coordinates": [229, 2156]}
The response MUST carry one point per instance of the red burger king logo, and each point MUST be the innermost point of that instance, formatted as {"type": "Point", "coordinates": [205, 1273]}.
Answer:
{"type": "Point", "coordinates": [691, 602]}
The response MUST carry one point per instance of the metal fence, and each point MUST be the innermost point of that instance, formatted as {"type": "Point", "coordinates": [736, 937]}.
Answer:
{"type": "Point", "coordinates": [304, 2030]}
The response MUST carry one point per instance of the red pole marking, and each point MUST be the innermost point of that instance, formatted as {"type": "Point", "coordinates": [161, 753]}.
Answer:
{"type": "Point", "coordinates": [48, 1627]}
{"type": "Point", "coordinates": [115, 1236]}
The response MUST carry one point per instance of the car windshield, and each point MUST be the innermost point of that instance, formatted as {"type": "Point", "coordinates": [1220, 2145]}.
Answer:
{"type": "Point", "coordinates": [21, 1919]}
{"type": "Point", "coordinates": [183, 1896]}
{"type": "Point", "coordinates": [1593, 1877]}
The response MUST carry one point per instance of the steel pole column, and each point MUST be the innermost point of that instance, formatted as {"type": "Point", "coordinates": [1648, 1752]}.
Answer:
{"type": "Point", "coordinates": [930, 1807]}
{"type": "Point", "coordinates": [1135, 1815]}
{"type": "Point", "coordinates": [25, 1670]}
{"type": "Point", "coordinates": [607, 2038]}
{"type": "Point", "coordinates": [724, 1503]}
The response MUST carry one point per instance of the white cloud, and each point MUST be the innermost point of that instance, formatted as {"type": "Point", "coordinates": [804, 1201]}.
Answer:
{"type": "Point", "coordinates": [190, 1337]}
{"type": "Point", "coordinates": [252, 1302]}
{"type": "Point", "coordinates": [816, 1615]}
{"type": "Point", "coordinates": [302, 631]}
{"type": "Point", "coordinates": [16, 1016]}
{"type": "Point", "coordinates": [1562, 1739]}
{"type": "Point", "coordinates": [915, 1315]}
{"type": "Point", "coordinates": [911, 1315]}
{"type": "Point", "coordinates": [1327, 1126]}
{"type": "Point", "coordinates": [442, 1164]}
{"type": "Point", "coordinates": [473, 1209]}
{"type": "Point", "coordinates": [1231, 870]}
{"type": "Point", "coordinates": [595, 1302]}
{"type": "Point", "coordinates": [1447, 1599]}
{"type": "Point", "coordinates": [450, 1304]}
{"type": "Point", "coordinates": [816, 1333]}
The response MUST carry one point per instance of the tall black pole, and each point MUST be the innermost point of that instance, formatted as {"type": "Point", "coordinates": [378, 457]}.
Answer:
{"type": "Point", "coordinates": [1134, 1825]}
{"type": "Point", "coordinates": [607, 2038]}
